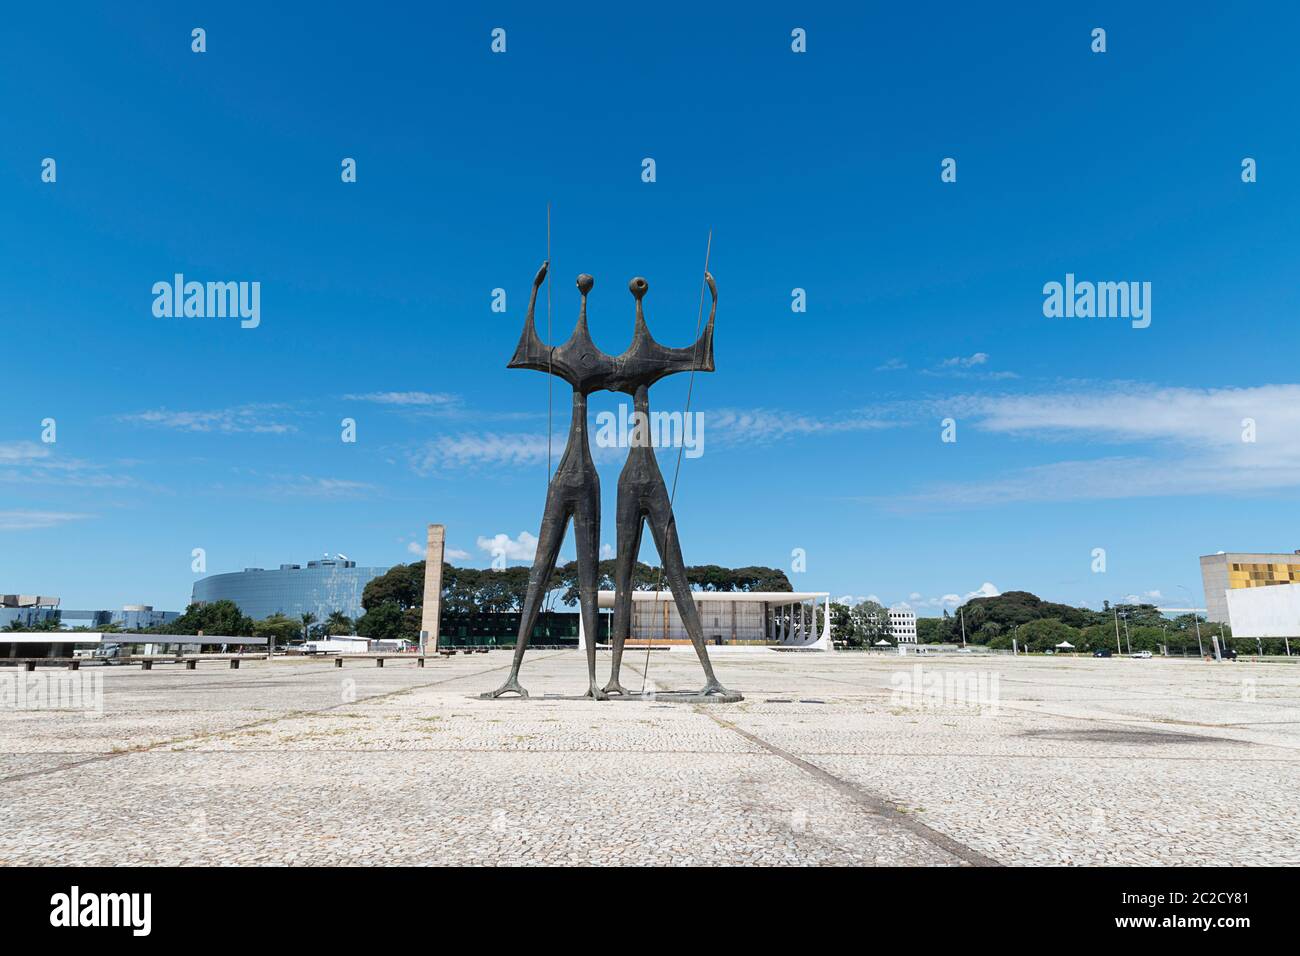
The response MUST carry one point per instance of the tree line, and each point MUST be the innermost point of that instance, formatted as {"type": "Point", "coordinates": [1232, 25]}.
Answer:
{"type": "Point", "coordinates": [393, 601]}
{"type": "Point", "coordinates": [1038, 625]}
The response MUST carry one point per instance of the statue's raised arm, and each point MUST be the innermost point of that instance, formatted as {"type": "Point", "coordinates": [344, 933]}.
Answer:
{"type": "Point", "coordinates": [646, 361]}
{"type": "Point", "coordinates": [531, 352]}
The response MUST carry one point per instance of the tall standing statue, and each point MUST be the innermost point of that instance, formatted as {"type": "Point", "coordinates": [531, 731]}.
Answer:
{"type": "Point", "coordinates": [642, 497]}
{"type": "Point", "coordinates": [574, 490]}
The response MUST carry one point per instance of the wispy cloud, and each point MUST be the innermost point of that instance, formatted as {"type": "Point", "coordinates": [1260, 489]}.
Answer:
{"type": "Point", "coordinates": [979, 358]}
{"type": "Point", "coordinates": [22, 451]}
{"type": "Point", "coordinates": [722, 427]}
{"type": "Point", "coordinates": [969, 367]}
{"type": "Point", "coordinates": [310, 486]}
{"type": "Point", "coordinates": [26, 462]}
{"type": "Point", "coordinates": [762, 426]}
{"type": "Point", "coordinates": [451, 452]}
{"type": "Point", "coordinates": [1195, 443]}
{"type": "Point", "coordinates": [417, 399]}
{"type": "Point", "coordinates": [28, 520]}
{"type": "Point", "coordinates": [257, 419]}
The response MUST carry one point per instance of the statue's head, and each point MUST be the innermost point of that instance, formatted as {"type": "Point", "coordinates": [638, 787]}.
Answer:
{"type": "Point", "coordinates": [585, 282]}
{"type": "Point", "coordinates": [639, 287]}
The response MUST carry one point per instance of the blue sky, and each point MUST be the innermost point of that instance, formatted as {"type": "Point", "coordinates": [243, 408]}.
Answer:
{"type": "Point", "coordinates": [818, 171]}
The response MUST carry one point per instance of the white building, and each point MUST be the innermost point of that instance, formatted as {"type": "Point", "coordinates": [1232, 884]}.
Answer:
{"type": "Point", "coordinates": [902, 625]}
{"type": "Point", "coordinates": [784, 619]}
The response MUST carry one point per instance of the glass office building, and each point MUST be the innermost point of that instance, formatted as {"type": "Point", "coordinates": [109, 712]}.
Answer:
{"type": "Point", "coordinates": [319, 587]}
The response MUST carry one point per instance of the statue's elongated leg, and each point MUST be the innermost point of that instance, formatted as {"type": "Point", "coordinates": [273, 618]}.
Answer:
{"type": "Point", "coordinates": [586, 535]}
{"type": "Point", "coordinates": [664, 528]}
{"type": "Point", "coordinates": [549, 539]}
{"type": "Point", "coordinates": [630, 522]}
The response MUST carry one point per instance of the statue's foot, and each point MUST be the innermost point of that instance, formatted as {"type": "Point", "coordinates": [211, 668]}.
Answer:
{"type": "Point", "coordinates": [510, 686]}
{"type": "Point", "coordinates": [595, 693]}
{"type": "Point", "coordinates": [715, 689]}
{"type": "Point", "coordinates": [614, 687]}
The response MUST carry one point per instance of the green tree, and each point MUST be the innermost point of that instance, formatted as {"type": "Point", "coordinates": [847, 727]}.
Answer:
{"type": "Point", "coordinates": [218, 618]}
{"type": "Point", "coordinates": [931, 630]}
{"type": "Point", "coordinates": [339, 623]}
{"type": "Point", "coordinates": [1045, 633]}
{"type": "Point", "coordinates": [841, 623]}
{"type": "Point", "coordinates": [870, 624]}
{"type": "Point", "coordinates": [384, 622]}
{"type": "Point", "coordinates": [308, 619]}
{"type": "Point", "coordinates": [283, 630]}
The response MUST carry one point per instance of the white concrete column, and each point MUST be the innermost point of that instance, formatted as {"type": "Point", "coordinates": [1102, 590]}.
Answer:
{"type": "Point", "coordinates": [431, 612]}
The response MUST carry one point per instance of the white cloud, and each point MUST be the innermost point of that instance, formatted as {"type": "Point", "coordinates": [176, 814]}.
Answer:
{"type": "Point", "coordinates": [950, 601]}
{"type": "Point", "coordinates": [23, 451]}
{"type": "Point", "coordinates": [1208, 417]}
{"type": "Point", "coordinates": [328, 487]}
{"type": "Point", "coordinates": [893, 365]}
{"type": "Point", "coordinates": [1193, 442]}
{"type": "Point", "coordinates": [853, 600]}
{"type": "Point", "coordinates": [27, 520]}
{"type": "Point", "coordinates": [968, 366]}
{"type": "Point", "coordinates": [762, 425]}
{"type": "Point", "coordinates": [459, 451]}
{"type": "Point", "coordinates": [721, 426]}
{"type": "Point", "coordinates": [606, 552]}
{"type": "Point", "coordinates": [979, 358]}
{"type": "Point", "coordinates": [448, 554]}
{"type": "Point", "coordinates": [256, 419]}
{"type": "Point", "coordinates": [405, 398]}
{"type": "Point", "coordinates": [26, 462]}
{"type": "Point", "coordinates": [523, 548]}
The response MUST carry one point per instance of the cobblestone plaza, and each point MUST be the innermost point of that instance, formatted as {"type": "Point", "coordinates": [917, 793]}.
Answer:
{"type": "Point", "coordinates": [831, 759]}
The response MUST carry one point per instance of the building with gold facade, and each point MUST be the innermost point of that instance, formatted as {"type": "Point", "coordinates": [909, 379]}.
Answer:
{"type": "Point", "coordinates": [1234, 571]}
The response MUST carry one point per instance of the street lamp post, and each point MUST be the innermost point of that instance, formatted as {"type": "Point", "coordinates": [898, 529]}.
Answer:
{"type": "Point", "coordinates": [1195, 617]}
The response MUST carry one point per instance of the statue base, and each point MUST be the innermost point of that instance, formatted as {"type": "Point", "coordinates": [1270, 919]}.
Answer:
{"type": "Point", "coordinates": [649, 697]}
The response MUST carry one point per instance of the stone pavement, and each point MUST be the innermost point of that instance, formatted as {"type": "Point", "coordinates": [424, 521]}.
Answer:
{"type": "Point", "coordinates": [840, 759]}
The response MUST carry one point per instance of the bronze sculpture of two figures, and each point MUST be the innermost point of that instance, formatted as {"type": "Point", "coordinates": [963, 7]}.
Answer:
{"type": "Point", "coordinates": [574, 490]}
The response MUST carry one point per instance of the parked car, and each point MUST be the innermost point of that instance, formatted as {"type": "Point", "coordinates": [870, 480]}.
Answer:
{"type": "Point", "coordinates": [1140, 654]}
{"type": "Point", "coordinates": [1102, 653]}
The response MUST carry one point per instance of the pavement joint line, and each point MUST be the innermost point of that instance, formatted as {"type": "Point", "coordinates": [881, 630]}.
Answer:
{"type": "Point", "coordinates": [99, 758]}
{"type": "Point", "coordinates": [865, 798]}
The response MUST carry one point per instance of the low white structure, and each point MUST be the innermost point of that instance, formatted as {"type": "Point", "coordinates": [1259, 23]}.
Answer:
{"type": "Point", "coordinates": [753, 619]}
{"type": "Point", "coordinates": [337, 644]}
{"type": "Point", "coordinates": [1264, 611]}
